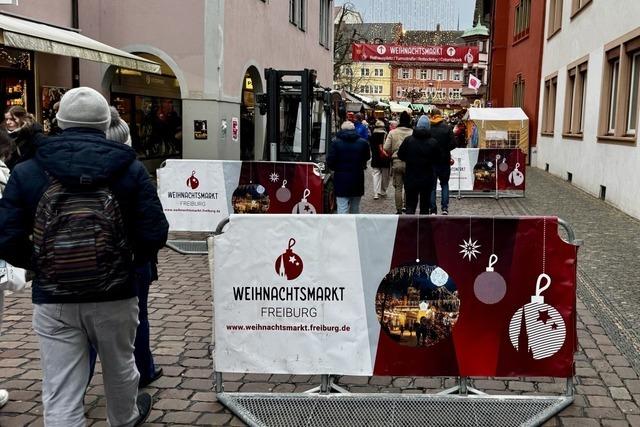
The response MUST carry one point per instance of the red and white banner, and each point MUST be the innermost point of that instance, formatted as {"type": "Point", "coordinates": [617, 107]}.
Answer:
{"type": "Point", "coordinates": [197, 194]}
{"type": "Point", "coordinates": [398, 53]}
{"type": "Point", "coordinates": [394, 295]}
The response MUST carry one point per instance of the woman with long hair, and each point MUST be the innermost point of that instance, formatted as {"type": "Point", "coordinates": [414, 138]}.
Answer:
{"type": "Point", "coordinates": [23, 128]}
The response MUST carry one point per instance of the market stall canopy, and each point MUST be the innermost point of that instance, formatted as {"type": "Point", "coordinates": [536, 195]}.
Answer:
{"type": "Point", "coordinates": [30, 35]}
{"type": "Point", "coordinates": [397, 108]}
{"type": "Point", "coordinates": [501, 127]}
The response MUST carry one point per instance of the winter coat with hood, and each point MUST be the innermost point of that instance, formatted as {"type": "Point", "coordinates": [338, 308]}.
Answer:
{"type": "Point", "coordinates": [86, 153]}
{"type": "Point", "coordinates": [443, 134]}
{"type": "Point", "coordinates": [347, 157]}
{"type": "Point", "coordinates": [419, 152]}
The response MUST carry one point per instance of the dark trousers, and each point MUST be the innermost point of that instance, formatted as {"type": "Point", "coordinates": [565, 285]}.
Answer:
{"type": "Point", "coordinates": [142, 352]}
{"type": "Point", "coordinates": [442, 174]}
{"type": "Point", "coordinates": [415, 191]}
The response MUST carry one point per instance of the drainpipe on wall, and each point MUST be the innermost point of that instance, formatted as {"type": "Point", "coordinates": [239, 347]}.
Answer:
{"type": "Point", "coordinates": [75, 62]}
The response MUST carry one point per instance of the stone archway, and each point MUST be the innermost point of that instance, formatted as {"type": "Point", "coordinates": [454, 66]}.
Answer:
{"type": "Point", "coordinates": [251, 122]}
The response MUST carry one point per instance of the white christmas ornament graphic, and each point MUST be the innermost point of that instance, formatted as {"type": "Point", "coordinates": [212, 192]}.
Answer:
{"type": "Point", "coordinates": [470, 249]}
{"type": "Point", "coordinates": [303, 206]}
{"type": "Point", "coordinates": [439, 277]}
{"type": "Point", "coordinates": [283, 194]}
{"type": "Point", "coordinates": [537, 330]}
{"type": "Point", "coordinates": [274, 177]}
{"type": "Point", "coordinates": [490, 287]}
{"type": "Point", "coordinates": [516, 177]}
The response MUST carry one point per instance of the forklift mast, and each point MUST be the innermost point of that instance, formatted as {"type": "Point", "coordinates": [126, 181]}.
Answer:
{"type": "Point", "coordinates": [291, 94]}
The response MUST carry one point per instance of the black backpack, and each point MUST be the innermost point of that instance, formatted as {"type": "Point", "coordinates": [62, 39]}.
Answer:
{"type": "Point", "coordinates": [80, 241]}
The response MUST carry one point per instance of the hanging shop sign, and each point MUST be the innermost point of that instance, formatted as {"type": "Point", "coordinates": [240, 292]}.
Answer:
{"type": "Point", "coordinates": [235, 129]}
{"type": "Point", "coordinates": [394, 295]}
{"type": "Point", "coordinates": [398, 53]}
{"type": "Point", "coordinates": [487, 169]}
{"type": "Point", "coordinates": [197, 194]}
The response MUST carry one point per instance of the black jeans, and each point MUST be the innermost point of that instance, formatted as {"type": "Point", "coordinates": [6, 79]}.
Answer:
{"type": "Point", "coordinates": [415, 191]}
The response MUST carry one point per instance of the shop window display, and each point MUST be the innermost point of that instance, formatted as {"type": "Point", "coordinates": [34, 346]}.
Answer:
{"type": "Point", "coordinates": [155, 123]}
{"type": "Point", "coordinates": [16, 77]}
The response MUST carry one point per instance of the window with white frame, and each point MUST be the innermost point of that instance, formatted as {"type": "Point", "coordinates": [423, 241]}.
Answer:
{"type": "Point", "coordinates": [439, 75]}
{"type": "Point", "coordinates": [348, 71]}
{"type": "Point", "coordinates": [404, 73]}
{"type": "Point", "coordinates": [364, 72]}
{"type": "Point", "coordinates": [378, 72]}
{"type": "Point", "coordinates": [455, 75]}
{"type": "Point", "coordinates": [425, 74]}
{"type": "Point", "coordinates": [456, 94]}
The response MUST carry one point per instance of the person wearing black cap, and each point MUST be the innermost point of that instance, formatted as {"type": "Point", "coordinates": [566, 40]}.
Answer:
{"type": "Point", "coordinates": [82, 215]}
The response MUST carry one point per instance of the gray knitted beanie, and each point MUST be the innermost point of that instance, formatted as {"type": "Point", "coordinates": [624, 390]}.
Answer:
{"type": "Point", "coordinates": [83, 107]}
{"type": "Point", "coordinates": [118, 129]}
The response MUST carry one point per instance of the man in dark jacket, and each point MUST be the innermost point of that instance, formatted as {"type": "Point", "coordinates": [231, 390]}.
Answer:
{"type": "Point", "coordinates": [347, 157]}
{"type": "Point", "coordinates": [443, 134]}
{"type": "Point", "coordinates": [419, 152]}
{"type": "Point", "coordinates": [65, 318]}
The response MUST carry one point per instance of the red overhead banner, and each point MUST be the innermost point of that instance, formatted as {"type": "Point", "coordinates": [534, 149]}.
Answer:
{"type": "Point", "coordinates": [397, 53]}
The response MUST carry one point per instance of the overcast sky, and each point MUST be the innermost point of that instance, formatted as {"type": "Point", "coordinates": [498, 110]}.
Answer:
{"type": "Point", "coordinates": [417, 14]}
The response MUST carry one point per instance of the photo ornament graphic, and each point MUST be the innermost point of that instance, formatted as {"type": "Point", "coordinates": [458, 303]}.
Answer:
{"type": "Point", "coordinates": [417, 305]}
{"type": "Point", "coordinates": [289, 264]}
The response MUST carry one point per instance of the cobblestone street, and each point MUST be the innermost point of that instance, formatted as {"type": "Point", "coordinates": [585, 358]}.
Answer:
{"type": "Point", "coordinates": [180, 312]}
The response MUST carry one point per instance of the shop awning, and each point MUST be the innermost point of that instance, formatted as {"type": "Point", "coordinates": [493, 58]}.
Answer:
{"type": "Point", "coordinates": [26, 34]}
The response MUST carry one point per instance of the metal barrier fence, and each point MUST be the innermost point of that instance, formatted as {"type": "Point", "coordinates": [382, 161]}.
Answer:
{"type": "Point", "coordinates": [331, 405]}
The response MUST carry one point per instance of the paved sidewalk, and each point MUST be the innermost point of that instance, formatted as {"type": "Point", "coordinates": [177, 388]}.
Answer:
{"type": "Point", "coordinates": [607, 390]}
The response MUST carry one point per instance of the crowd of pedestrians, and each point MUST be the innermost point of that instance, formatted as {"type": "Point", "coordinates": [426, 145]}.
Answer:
{"type": "Point", "coordinates": [414, 158]}
{"type": "Point", "coordinates": [81, 212]}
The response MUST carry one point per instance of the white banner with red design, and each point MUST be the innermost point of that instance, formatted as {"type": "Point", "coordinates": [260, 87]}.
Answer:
{"type": "Point", "coordinates": [482, 169]}
{"type": "Point", "coordinates": [197, 194]}
{"type": "Point", "coordinates": [394, 295]}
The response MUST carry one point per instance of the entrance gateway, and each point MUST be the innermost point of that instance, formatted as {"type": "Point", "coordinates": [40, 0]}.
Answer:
{"type": "Point", "coordinates": [526, 330]}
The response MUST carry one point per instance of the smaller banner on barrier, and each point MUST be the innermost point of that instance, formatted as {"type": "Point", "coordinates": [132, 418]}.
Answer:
{"type": "Point", "coordinates": [197, 194]}
{"type": "Point", "coordinates": [487, 169]}
{"type": "Point", "coordinates": [388, 295]}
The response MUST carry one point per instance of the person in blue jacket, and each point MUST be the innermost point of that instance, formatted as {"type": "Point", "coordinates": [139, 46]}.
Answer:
{"type": "Point", "coordinates": [66, 319]}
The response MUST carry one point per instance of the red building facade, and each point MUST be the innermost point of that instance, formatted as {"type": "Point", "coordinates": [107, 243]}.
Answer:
{"type": "Point", "coordinates": [517, 35]}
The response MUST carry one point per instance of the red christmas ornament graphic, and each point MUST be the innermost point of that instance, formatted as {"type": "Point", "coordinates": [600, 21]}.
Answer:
{"type": "Point", "coordinates": [537, 330]}
{"type": "Point", "coordinates": [192, 181]}
{"type": "Point", "coordinates": [490, 287]}
{"type": "Point", "coordinates": [289, 264]}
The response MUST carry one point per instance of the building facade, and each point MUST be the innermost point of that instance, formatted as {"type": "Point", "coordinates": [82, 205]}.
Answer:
{"type": "Point", "coordinates": [211, 66]}
{"type": "Point", "coordinates": [429, 84]}
{"type": "Point", "coordinates": [589, 98]}
{"type": "Point", "coordinates": [369, 79]}
{"type": "Point", "coordinates": [517, 36]}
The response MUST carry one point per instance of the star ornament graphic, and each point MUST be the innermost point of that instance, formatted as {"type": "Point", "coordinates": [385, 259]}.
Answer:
{"type": "Point", "coordinates": [470, 249]}
{"type": "Point", "coordinates": [293, 260]}
{"type": "Point", "coordinates": [274, 177]}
